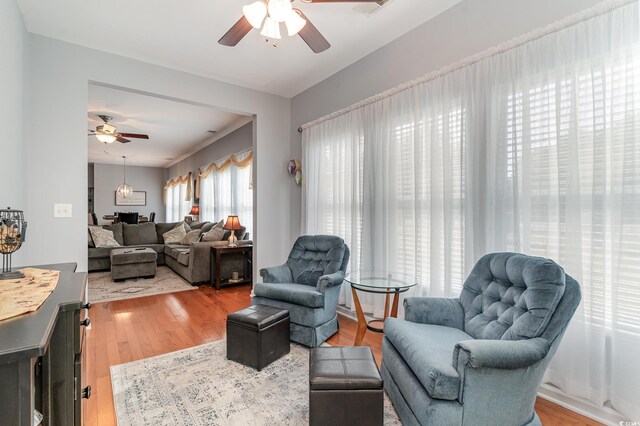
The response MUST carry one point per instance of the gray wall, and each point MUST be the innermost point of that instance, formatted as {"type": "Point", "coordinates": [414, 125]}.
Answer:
{"type": "Point", "coordinates": [107, 177]}
{"type": "Point", "coordinates": [469, 27]}
{"type": "Point", "coordinates": [13, 68]}
{"type": "Point", "coordinates": [58, 78]}
{"type": "Point", "coordinates": [234, 142]}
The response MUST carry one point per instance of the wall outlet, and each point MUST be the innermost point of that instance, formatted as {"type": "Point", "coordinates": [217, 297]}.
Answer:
{"type": "Point", "coordinates": [62, 210]}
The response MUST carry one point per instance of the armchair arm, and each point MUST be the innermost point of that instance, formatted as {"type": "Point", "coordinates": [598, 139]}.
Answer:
{"type": "Point", "coordinates": [329, 280]}
{"type": "Point", "coordinates": [434, 310]}
{"type": "Point", "coordinates": [276, 274]}
{"type": "Point", "coordinates": [500, 354]}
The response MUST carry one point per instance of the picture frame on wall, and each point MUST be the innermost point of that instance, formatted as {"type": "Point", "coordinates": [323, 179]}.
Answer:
{"type": "Point", "coordinates": [138, 198]}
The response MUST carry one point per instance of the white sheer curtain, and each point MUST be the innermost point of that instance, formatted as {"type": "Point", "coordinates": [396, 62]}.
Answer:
{"type": "Point", "coordinates": [176, 206]}
{"type": "Point", "coordinates": [228, 192]}
{"type": "Point", "coordinates": [535, 149]}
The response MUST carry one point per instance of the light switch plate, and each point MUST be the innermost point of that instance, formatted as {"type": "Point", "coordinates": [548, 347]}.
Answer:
{"type": "Point", "coordinates": [62, 210]}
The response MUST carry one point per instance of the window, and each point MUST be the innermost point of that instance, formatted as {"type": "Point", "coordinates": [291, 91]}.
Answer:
{"type": "Point", "coordinates": [228, 192]}
{"type": "Point", "coordinates": [176, 204]}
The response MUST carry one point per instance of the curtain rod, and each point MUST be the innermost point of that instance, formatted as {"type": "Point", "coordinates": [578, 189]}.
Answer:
{"type": "Point", "coordinates": [576, 18]}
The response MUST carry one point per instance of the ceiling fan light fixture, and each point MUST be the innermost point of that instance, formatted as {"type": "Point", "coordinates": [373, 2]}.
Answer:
{"type": "Point", "coordinates": [271, 28]}
{"type": "Point", "coordinates": [279, 9]}
{"type": "Point", "coordinates": [255, 13]}
{"type": "Point", "coordinates": [106, 138]}
{"type": "Point", "coordinates": [294, 22]}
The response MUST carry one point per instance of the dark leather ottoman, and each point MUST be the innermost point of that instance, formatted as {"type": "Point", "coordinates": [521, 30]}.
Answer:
{"type": "Point", "coordinates": [345, 387]}
{"type": "Point", "coordinates": [257, 335]}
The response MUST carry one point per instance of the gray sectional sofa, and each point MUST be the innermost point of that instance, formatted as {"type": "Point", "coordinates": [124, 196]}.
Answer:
{"type": "Point", "coordinates": [192, 262]}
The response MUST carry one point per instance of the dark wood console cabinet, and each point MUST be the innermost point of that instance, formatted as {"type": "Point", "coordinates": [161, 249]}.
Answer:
{"type": "Point", "coordinates": [41, 356]}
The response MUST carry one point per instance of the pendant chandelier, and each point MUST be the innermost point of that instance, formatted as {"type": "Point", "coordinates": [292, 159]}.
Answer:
{"type": "Point", "coordinates": [124, 190]}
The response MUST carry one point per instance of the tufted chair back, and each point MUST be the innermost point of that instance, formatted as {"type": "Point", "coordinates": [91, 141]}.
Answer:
{"type": "Point", "coordinates": [313, 256]}
{"type": "Point", "coordinates": [511, 296]}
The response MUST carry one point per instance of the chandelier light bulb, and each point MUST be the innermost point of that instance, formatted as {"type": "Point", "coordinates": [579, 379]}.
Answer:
{"type": "Point", "coordinates": [294, 22]}
{"type": "Point", "coordinates": [255, 13]}
{"type": "Point", "coordinates": [271, 28]}
{"type": "Point", "coordinates": [279, 9]}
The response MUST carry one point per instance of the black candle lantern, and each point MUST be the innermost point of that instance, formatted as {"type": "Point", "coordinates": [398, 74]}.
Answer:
{"type": "Point", "coordinates": [12, 234]}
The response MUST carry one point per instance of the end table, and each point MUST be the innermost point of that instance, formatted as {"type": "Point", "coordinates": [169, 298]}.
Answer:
{"type": "Point", "coordinates": [217, 254]}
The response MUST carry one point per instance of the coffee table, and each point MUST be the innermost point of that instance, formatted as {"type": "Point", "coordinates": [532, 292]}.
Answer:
{"type": "Point", "coordinates": [378, 282]}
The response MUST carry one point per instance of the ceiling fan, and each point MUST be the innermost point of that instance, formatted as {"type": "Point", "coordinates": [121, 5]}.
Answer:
{"type": "Point", "coordinates": [269, 14]}
{"type": "Point", "coordinates": [106, 133]}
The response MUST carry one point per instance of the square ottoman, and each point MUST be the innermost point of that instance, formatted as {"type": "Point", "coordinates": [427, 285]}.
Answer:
{"type": "Point", "coordinates": [133, 263]}
{"type": "Point", "coordinates": [345, 387]}
{"type": "Point", "coordinates": [257, 335]}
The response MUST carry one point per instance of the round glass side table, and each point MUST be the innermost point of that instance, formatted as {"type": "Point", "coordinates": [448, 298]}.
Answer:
{"type": "Point", "coordinates": [379, 282]}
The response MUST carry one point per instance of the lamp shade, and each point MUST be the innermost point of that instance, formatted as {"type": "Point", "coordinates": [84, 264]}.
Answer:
{"type": "Point", "coordinates": [195, 210]}
{"type": "Point", "coordinates": [294, 22]}
{"type": "Point", "coordinates": [255, 13]}
{"type": "Point", "coordinates": [232, 223]}
{"type": "Point", "coordinates": [271, 29]}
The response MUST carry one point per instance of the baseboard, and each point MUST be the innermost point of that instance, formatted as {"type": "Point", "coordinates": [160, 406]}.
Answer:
{"type": "Point", "coordinates": [344, 311]}
{"type": "Point", "coordinates": [581, 406]}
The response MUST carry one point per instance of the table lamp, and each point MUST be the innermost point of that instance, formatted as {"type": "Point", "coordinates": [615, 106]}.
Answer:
{"type": "Point", "coordinates": [195, 212]}
{"type": "Point", "coordinates": [232, 224]}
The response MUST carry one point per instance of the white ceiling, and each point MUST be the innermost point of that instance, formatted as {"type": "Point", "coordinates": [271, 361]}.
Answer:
{"type": "Point", "coordinates": [183, 35]}
{"type": "Point", "coordinates": [176, 130]}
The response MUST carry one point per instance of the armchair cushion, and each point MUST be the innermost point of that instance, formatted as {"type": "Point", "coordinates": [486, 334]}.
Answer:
{"type": "Point", "coordinates": [298, 294]}
{"type": "Point", "coordinates": [427, 350]}
{"type": "Point", "coordinates": [313, 256]}
{"type": "Point", "coordinates": [511, 296]}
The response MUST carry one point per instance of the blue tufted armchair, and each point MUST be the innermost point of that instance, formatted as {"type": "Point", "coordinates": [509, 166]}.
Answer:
{"type": "Point", "coordinates": [479, 359]}
{"type": "Point", "coordinates": [308, 286]}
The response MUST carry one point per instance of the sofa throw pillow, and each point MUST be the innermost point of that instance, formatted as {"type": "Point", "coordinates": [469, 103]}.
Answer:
{"type": "Point", "coordinates": [190, 237]}
{"type": "Point", "coordinates": [175, 235]}
{"type": "Point", "coordinates": [215, 234]}
{"type": "Point", "coordinates": [102, 237]}
{"type": "Point", "coordinates": [210, 225]}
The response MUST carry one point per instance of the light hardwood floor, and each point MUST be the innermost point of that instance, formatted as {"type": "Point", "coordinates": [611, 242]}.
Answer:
{"type": "Point", "coordinates": [128, 330]}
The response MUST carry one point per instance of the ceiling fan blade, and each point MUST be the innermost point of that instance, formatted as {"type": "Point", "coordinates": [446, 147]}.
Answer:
{"type": "Point", "coordinates": [236, 33]}
{"type": "Point", "coordinates": [133, 135]}
{"type": "Point", "coordinates": [122, 140]}
{"type": "Point", "coordinates": [310, 34]}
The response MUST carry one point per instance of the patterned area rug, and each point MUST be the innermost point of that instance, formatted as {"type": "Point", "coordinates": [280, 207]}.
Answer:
{"type": "Point", "coordinates": [199, 386]}
{"type": "Point", "coordinates": [103, 289]}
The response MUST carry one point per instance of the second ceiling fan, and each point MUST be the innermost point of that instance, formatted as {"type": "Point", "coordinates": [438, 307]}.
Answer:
{"type": "Point", "coordinates": [267, 15]}
{"type": "Point", "coordinates": [107, 133]}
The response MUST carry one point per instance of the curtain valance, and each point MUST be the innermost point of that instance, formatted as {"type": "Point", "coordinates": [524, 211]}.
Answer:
{"type": "Point", "coordinates": [240, 160]}
{"type": "Point", "coordinates": [175, 182]}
